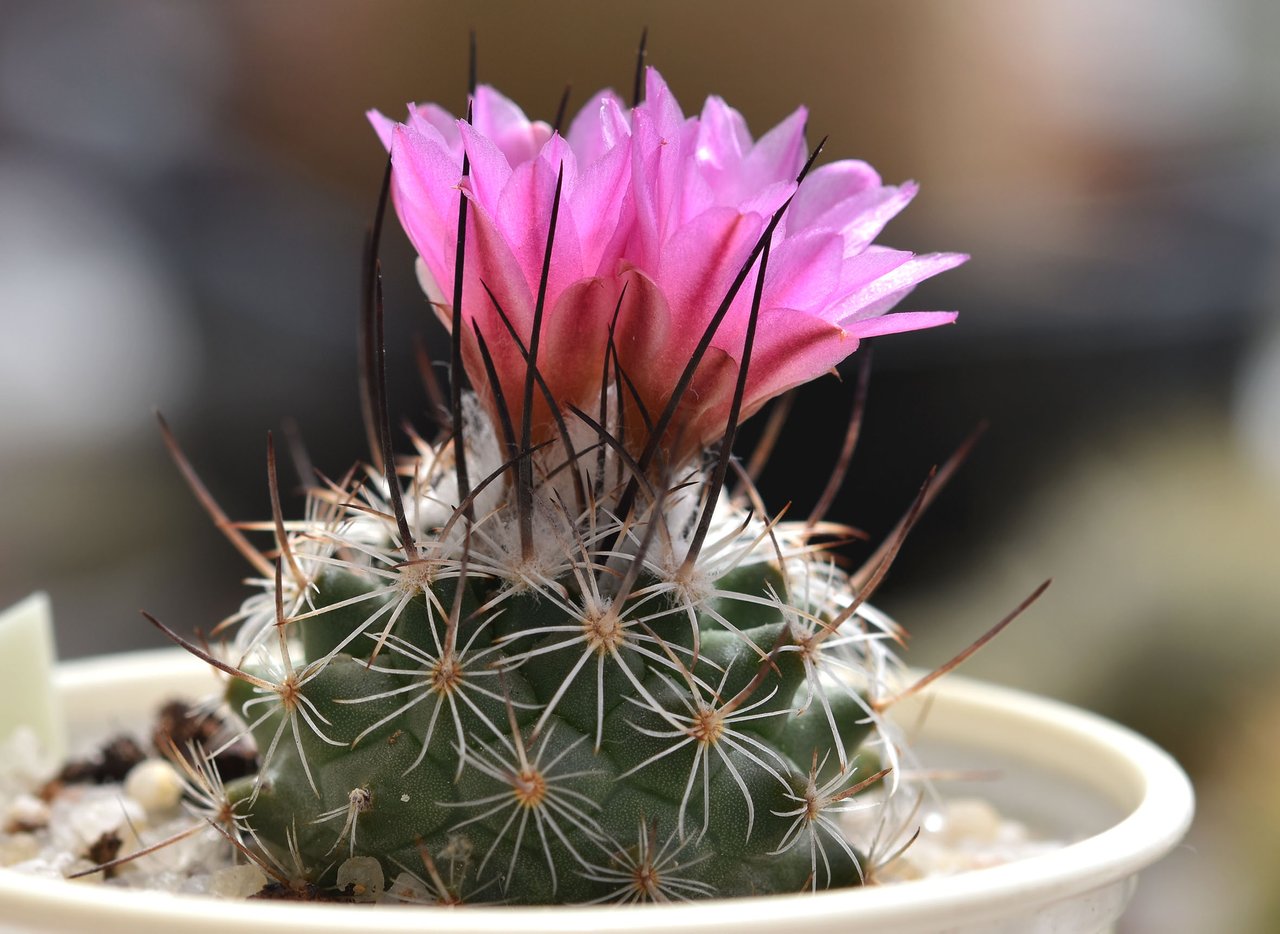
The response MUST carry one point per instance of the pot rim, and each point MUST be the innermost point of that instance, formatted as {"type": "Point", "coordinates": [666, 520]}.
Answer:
{"type": "Point", "coordinates": [1140, 778]}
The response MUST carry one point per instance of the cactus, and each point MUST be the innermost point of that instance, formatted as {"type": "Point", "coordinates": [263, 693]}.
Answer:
{"type": "Point", "coordinates": [551, 656]}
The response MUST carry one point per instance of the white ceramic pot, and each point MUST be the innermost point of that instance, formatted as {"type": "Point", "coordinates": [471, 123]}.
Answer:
{"type": "Point", "coordinates": [1064, 771]}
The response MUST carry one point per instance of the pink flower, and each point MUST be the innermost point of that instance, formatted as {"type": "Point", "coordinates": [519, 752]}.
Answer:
{"type": "Point", "coordinates": [660, 210]}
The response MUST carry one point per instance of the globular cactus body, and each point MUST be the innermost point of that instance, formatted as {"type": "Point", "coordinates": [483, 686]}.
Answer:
{"type": "Point", "coordinates": [555, 743]}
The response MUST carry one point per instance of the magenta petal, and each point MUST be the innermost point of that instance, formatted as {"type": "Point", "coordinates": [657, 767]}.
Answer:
{"type": "Point", "coordinates": [601, 206]}
{"type": "Point", "coordinates": [489, 171]}
{"type": "Point", "coordinates": [778, 155]}
{"type": "Point", "coordinates": [496, 116]}
{"type": "Point", "coordinates": [860, 272]}
{"type": "Point", "coordinates": [424, 188]}
{"type": "Point", "coordinates": [383, 126]}
{"type": "Point", "coordinates": [597, 128]}
{"type": "Point", "coordinates": [576, 327]}
{"type": "Point", "coordinates": [498, 119]}
{"type": "Point", "coordinates": [722, 141]}
{"type": "Point", "coordinates": [793, 348]}
{"type": "Point", "coordinates": [882, 293]}
{"type": "Point", "coordinates": [699, 264]}
{"type": "Point", "coordinates": [804, 271]}
{"type": "Point", "coordinates": [491, 261]}
{"type": "Point", "coordinates": [435, 117]}
{"type": "Point", "coordinates": [661, 105]}
{"type": "Point", "coordinates": [644, 351]}
{"type": "Point", "coordinates": [524, 219]}
{"type": "Point", "coordinates": [655, 191]}
{"type": "Point", "coordinates": [697, 196]}
{"type": "Point", "coordinates": [862, 217]}
{"type": "Point", "coordinates": [767, 199]}
{"type": "Point", "coordinates": [556, 154]}
{"type": "Point", "coordinates": [824, 188]}
{"type": "Point", "coordinates": [900, 322]}
{"type": "Point", "coordinates": [731, 171]}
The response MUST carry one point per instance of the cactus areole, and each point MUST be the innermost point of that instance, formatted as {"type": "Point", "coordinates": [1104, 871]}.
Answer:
{"type": "Point", "coordinates": [560, 654]}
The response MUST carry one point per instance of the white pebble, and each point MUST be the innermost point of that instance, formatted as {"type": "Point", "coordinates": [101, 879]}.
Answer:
{"type": "Point", "coordinates": [154, 784]}
{"type": "Point", "coordinates": [18, 848]}
{"type": "Point", "coordinates": [81, 817]}
{"type": "Point", "coordinates": [27, 812]}
{"type": "Point", "coordinates": [238, 881]}
{"type": "Point", "coordinates": [971, 820]}
{"type": "Point", "coordinates": [364, 875]}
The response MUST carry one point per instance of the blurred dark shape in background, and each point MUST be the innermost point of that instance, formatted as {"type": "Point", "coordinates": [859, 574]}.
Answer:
{"type": "Point", "coordinates": [184, 188]}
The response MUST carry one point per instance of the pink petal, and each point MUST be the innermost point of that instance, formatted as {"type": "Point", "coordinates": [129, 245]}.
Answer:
{"type": "Point", "coordinates": [601, 206]}
{"type": "Point", "coordinates": [699, 264]}
{"type": "Point", "coordinates": [827, 186]}
{"type": "Point", "coordinates": [705, 408]}
{"type": "Point", "coordinates": [524, 218]}
{"type": "Point", "coordinates": [422, 116]}
{"type": "Point", "coordinates": [657, 162]}
{"type": "Point", "coordinates": [653, 363]}
{"type": "Point", "coordinates": [847, 196]}
{"type": "Point", "coordinates": [661, 104]}
{"type": "Point", "coordinates": [767, 199]}
{"type": "Point", "coordinates": [489, 170]}
{"type": "Point", "coordinates": [425, 190]}
{"type": "Point", "coordinates": [383, 126]}
{"type": "Point", "coordinates": [805, 271]}
{"type": "Point", "coordinates": [489, 259]}
{"type": "Point", "coordinates": [598, 127]}
{"type": "Point", "coordinates": [859, 272]}
{"type": "Point", "coordinates": [722, 141]}
{"type": "Point", "coordinates": [900, 322]}
{"type": "Point", "coordinates": [882, 293]}
{"type": "Point", "coordinates": [778, 155]}
{"type": "Point", "coordinates": [862, 217]}
{"type": "Point", "coordinates": [499, 120]}
{"type": "Point", "coordinates": [792, 348]}
{"type": "Point", "coordinates": [576, 328]}
{"type": "Point", "coordinates": [644, 351]}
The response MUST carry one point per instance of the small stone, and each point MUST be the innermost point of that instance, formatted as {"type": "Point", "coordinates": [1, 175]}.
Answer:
{"type": "Point", "coordinates": [298, 892]}
{"type": "Point", "coordinates": [113, 762]}
{"type": "Point", "coordinates": [971, 820]}
{"type": "Point", "coordinates": [155, 785]}
{"type": "Point", "coordinates": [104, 850]}
{"type": "Point", "coordinates": [18, 848]}
{"type": "Point", "coordinates": [1013, 833]}
{"type": "Point", "coordinates": [361, 878]}
{"type": "Point", "coordinates": [84, 813]}
{"type": "Point", "coordinates": [118, 757]}
{"type": "Point", "coordinates": [183, 726]}
{"type": "Point", "coordinates": [238, 881]}
{"type": "Point", "coordinates": [26, 813]}
{"type": "Point", "coordinates": [179, 723]}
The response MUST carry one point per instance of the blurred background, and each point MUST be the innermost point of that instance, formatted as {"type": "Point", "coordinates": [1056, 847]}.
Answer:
{"type": "Point", "coordinates": [184, 188]}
